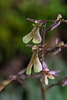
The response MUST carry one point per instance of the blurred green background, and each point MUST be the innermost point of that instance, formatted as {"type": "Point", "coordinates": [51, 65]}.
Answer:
{"type": "Point", "coordinates": [14, 56]}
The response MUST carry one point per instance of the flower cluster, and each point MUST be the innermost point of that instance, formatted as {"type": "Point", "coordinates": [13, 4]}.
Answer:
{"type": "Point", "coordinates": [38, 66]}
{"type": "Point", "coordinates": [35, 63]}
{"type": "Point", "coordinates": [34, 35]}
{"type": "Point", "coordinates": [48, 74]}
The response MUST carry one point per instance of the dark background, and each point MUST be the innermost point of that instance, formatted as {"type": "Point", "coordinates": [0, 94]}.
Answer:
{"type": "Point", "coordinates": [14, 56]}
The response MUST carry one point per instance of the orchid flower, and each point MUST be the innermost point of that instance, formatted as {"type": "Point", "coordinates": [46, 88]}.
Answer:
{"type": "Point", "coordinates": [35, 63]}
{"type": "Point", "coordinates": [34, 34]}
{"type": "Point", "coordinates": [48, 74]}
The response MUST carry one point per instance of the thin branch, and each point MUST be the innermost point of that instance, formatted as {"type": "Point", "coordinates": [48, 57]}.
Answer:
{"type": "Point", "coordinates": [21, 72]}
{"type": "Point", "coordinates": [62, 82]}
{"type": "Point", "coordinates": [42, 57]}
{"type": "Point", "coordinates": [42, 88]}
{"type": "Point", "coordinates": [42, 22]}
{"type": "Point", "coordinates": [42, 43]}
{"type": "Point", "coordinates": [49, 50]}
{"type": "Point", "coordinates": [52, 85]}
{"type": "Point", "coordinates": [27, 76]}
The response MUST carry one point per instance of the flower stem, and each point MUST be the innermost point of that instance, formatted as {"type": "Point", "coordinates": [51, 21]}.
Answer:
{"type": "Point", "coordinates": [42, 59]}
{"type": "Point", "coordinates": [42, 43]}
{"type": "Point", "coordinates": [42, 88]}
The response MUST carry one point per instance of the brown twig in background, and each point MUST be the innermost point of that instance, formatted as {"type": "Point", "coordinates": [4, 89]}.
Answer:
{"type": "Point", "coordinates": [52, 85]}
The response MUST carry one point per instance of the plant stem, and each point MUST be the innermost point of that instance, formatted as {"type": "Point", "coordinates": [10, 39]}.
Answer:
{"type": "Point", "coordinates": [42, 43]}
{"type": "Point", "coordinates": [52, 85]}
{"type": "Point", "coordinates": [42, 59]}
{"type": "Point", "coordinates": [42, 88]}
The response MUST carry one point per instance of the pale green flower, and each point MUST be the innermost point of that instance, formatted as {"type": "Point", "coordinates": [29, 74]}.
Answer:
{"type": "Point", "coordinates": [35, 63]}
{"type": "Point", "coordinates": [34, 34]}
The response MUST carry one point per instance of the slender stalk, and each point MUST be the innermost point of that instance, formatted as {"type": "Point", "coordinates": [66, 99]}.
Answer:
{"type": "Point", "coordinates": [42, 59]}
{"type": "Point", "coordinates": [42, 43]}
{"type": "Point", "coordinates": [42, 88]}
{"type": "Point", "coordinates": [43, 34]}
{"type": "Point", "coordinates": [52, 85]}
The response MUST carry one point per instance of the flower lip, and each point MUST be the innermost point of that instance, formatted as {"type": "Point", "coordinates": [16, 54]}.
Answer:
{"type": "Point", "coordinates": [34, 34]}
{"type": "Point", "coordinates": [34, 62]}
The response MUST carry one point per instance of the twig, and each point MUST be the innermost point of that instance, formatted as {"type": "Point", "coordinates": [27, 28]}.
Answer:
{"type": "Point", "coordinates": [42, 43]}
{"type": "Point", "coordinates": [42, 57]}
{"type": "Point", "coordinates": [27, 76]}
{"type": "Point", "coordinates": [62, 82]}
{"type": "Point", "coordinates": [21, 72]}
{"type": "Point", "coordinates": [42, 88]}
{"type": "Point", "coordinates": [56, 84]}
{"type": "Point", "coordinates": [49, 50]}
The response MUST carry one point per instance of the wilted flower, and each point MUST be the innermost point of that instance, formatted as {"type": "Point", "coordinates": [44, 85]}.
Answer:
{"type": "Point", "coordinates": [34, 34]}
{"type": "Point", "coordinates": [35, 63]}
{"type": "Point", "coordinates": [49, 74]}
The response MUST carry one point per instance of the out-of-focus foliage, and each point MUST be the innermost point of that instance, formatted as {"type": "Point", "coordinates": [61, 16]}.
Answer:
{"type": "Point", "coordinates": [13, 26]}
{"type": "Point", "coordinates": [13, 23]}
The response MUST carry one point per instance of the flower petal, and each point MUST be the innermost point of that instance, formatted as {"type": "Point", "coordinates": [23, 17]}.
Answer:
{"type": "Point", "coordinates": [55, 72]}
{"type": "Point", "coordinates": [27, 37]}
{"type": "Point", "coordinates": [45, 66]}
{"type": "Point", "coordinates": [37, 65]}
{"type": "Point", "coordinates": [46, 80]}
{"type": "Point", "coordinates": [37, 38]}
{"type": "Point", "coordinates": [28, 70]}
{"type": "Point", "coordinates": [51, 77]}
